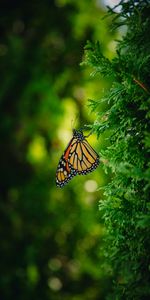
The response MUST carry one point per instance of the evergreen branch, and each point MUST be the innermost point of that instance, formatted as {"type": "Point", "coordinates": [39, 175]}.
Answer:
{"type": "Point", "coordinates": [95, 59]}
{"type": "Point", "coordinates": [126, 123]}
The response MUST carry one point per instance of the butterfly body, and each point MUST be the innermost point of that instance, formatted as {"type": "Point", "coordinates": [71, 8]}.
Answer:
{"type": "Point", "coordinates": [78, 158]}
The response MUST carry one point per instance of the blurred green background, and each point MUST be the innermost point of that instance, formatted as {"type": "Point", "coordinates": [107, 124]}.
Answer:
{"type": "Point", "coordinates": [50, 238]}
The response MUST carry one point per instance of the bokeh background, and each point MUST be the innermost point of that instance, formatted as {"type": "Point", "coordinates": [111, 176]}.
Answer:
{"type": "Point", "coordinates": [51, 238]}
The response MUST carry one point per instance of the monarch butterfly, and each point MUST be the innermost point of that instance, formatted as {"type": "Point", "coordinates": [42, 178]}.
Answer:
{"type": "Point", "coordinates": [78, 158]}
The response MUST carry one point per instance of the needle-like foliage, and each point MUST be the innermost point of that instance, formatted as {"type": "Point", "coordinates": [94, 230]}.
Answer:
{"type": "Point", "coordinates": [126, 208]}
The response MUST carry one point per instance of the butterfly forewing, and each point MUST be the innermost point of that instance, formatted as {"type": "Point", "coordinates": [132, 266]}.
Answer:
{"type": "Point", "coordinates": [86, 159]}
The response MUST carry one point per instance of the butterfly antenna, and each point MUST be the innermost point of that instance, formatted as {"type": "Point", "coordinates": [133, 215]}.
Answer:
{"type": "Point", "coordinates": [74, 121]}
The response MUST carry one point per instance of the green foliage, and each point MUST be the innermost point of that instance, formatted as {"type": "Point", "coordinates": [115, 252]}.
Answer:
{"type": "Point", "coordinates": [126, 208]}
{"type": "Point", "coordinates": [95, 58]}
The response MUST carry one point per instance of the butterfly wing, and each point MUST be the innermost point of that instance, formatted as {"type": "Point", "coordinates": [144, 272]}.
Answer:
{"type": "Point", "coordinates": [82, 157]}
{"type": "Point", "coordinates": [78, 158]}
{"type": "Point", "coordinates": [64, 173]}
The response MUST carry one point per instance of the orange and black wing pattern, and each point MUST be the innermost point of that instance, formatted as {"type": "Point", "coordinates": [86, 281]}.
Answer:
{"type": "Point", "coordinates": [83, 158]}
{"type": "Point", "coordinates": [79, 158]}
{"type": "Point", "coordinates": [64, 173]}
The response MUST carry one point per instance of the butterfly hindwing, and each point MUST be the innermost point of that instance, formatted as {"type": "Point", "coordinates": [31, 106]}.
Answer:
{"type": "Point", "coordinates": [64, 173]}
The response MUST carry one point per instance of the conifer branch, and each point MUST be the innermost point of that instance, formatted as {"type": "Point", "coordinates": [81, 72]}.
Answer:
{"type": "Point", "coordinates": [125, 120]}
